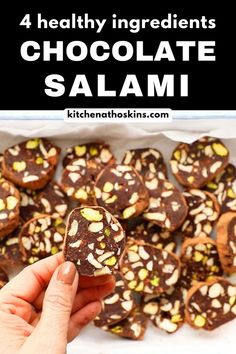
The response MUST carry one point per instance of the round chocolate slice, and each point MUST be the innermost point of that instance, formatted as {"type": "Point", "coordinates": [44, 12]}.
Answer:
{"type": "Point", "coordinates": [117, 305]}
{"type": "Point", "coordinates": [94, 241]}
{"type": "Point", "coordinates": [148, 269]}
{"type": "Point", "coordinates": [31, 164]}
{"type": "Point", "coordinates": [202, 214]}
{"type": "Point", "coordinates": [223, 186]}
{"type": "Point", "coordinates": [78, 181]}
{"type": "Point", "coordinates": [153, 235]}
{"type": "Point", "coordinates": [9, 207]}
{"type": "Point", "coordinates": [226, 241]}
{"type": "Point", "coordinates": [167, 310]}
{"type": "Point", "coordinates": [133, 327]}
{"type": "Point", "coordinates": [148, 162]}
{"type": "Point", "coordinates": [211, 304]}
{"type": "Point", "coordinates": [51, 200]}
{"type": "Point", "coordinates": [29, 208]}
{"type": "Point", "coordinates": [121, 191]}
{"type": "Point", "coordinates": [1, 159]}
{"type": "Point", "coordinates": [10, 254]}
{"type": "Point", "coordinates": [3, 278]}
{"type": "Point", "coordinates": [41, 237]}
{"type": "Point", "coordinates": [200, 260]}
{"type": "Point", "coordinates": [167, 207]}
{"type": "Point", "coordinates": [98, 153]}
{"type": "Point", "coordinates": [194, 165]}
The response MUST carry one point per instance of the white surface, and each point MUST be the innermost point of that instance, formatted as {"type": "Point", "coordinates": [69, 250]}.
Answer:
{"type": "Point", "coordinates": [121, 137]}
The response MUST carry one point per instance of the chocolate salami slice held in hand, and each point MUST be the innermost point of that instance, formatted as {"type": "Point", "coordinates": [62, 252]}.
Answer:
{"type": "Point", "coordinates": [31, 164]}
{"type": "Point", "coordinates": [203, 212]}
{"type": "Point", "coordinates": [9, 207]}
{"type": "Point", "coordinates": [121, 191]}
{"type": "Point", "coordinates": [94, 241]}
{"type": "Point", "coordinates": [211, 304]}
{"type": "Point", "coordinates": [117, 305]}
{"type": "Point", "coordinates": [194, 165]}
{"type": "Point", "coordinates": [167, 207]}
{"type": "Point", "coordinates": [226, 241]}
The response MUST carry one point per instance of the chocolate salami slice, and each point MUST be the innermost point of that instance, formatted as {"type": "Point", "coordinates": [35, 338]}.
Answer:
{"type": "Point", "coordinates": [200, 260]}
{"type": "Point", "coordinates": [3, 278]}
{"type": "Point", "coordinates": [98, 153]}
{"type": "Point", "coordinates": [226, 241]}
{"type": "Point", "coordinates": [167, 207]}
{"type": "Point", "coordinates": [50, 200]}
{"type": "Point", "coordinates": [9, 207]}
{"type": "Point", "coordinates": [223, 186]}
{"type": "Point", "coordinates": [202, 214]}
{"type": "Point", "coordinates": [29, 208]}
{"type": "Point", "coordinates": [153, 235]}
{"type": "Point", "coordinates": [120, 190]}
{"type": "Point", "coordinates": [78, 181]}
{"type": "Point", "coordinates": [133, 327]}
{"type": "Point", "coordinates": [94, 241]}
{"type": "Point", "coordinates": [167, 310]}
{"type": "Point", "coordinates": [148, 162]}
{"type": "Point", "coordinates": [10, 254]}
{"type": "Point", "coordinates": [148, 269]}
{"type": "Point", "coordinates": [117, 305]}
{"type": "Point", "coordinates": [211, 304]}
{"type": "Point", "coordinates": [31, 164]}
{"type": "Point", "coordinates": [1, 159]}
{"type": "Point", "coordinates": [41, 237]}
{"type": "Point", "coordinates": [194, 165]}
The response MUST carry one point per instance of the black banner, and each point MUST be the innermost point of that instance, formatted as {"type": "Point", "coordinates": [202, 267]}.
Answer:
{"type": "Point", "coordinates": [170, 58]}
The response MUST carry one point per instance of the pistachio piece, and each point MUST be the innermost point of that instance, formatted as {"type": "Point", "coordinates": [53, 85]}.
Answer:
{"type": "Point", "coordinates": [110, 261]}
{"type": "Point", "coordinates": [32, 144]}
{"type": "Point", "coordinates": [91, 214]}
{"type": "Point", "coordinates": [220, 149]}
{"type": "Point", "coordinates": [199, 321]}
{"type": "Point", "coordinates": [19, 166]}
{"type": "Point", "coordinates": [80, 150]}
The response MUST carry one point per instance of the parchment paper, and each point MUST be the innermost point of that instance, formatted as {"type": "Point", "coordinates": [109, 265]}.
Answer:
{"type": "Point", "coordinates": [121, 137]}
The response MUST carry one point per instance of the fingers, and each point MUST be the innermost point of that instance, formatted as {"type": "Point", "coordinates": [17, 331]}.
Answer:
{"type": "Point", "coordinates": [88, 295]}
{"type": "Point", "coordinates": [52, 329]}
{"type": "Point", "coordinates": [81, 318]}
{"type": "Point", "coordinates": [28, 284]}
{"type": "Point", "coordinates": [83, 296]}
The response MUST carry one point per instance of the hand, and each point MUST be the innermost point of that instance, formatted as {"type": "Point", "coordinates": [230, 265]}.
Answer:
{"type": "Point", "coordinates": [43, 308]}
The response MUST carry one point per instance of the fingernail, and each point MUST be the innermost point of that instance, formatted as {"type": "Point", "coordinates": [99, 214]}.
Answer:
{"type": "Point", "coordinates": [66, 273]}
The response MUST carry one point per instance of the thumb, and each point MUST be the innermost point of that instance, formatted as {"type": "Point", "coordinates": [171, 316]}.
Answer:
{"type": "Point", "coordinates": [57, 306]}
